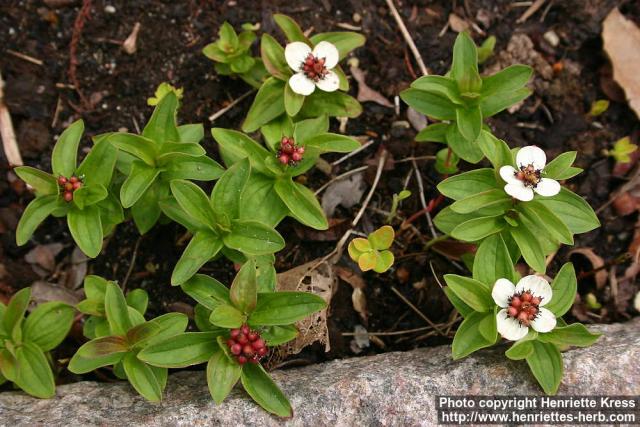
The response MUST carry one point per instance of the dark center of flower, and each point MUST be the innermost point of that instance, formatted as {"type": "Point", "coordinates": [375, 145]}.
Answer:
{"type": "Point", "coordinates": [524, 307]}
{"type": "Point", "coordinates": [289, 153]}
{"type": "Point", "coordinates": [246, 345]}
{"type": "Point", "coordinates": [314, 68]}
{"type": "Point", "coordinates": [68, 186]}
{"type": "Point", "coordinates": [529, 175]}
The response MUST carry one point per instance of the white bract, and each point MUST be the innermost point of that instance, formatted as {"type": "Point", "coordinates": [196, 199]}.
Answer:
{"type": "Point", "coordinates": [523, 307]}
{"type": "Point", "coordinates": [312, 67]}
{"type": "Point", "coordinates": [522, 182]}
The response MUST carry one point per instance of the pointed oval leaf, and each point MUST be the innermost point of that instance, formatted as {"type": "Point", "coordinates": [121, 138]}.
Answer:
{"type": "Point", "coordinates": [222, 375]}
{"type": "Point", "coordinates": [203, 246]}
{"type": "Point", "coordinates": [65, 152]}
{"type": "Point", "coordinates": [36, 212]}
{"type": "Point", "coordinates": [43, 183]}
{"type": "Point", "coordinates": [86, 229]}
{"type": "Point", "coordinates": [259, 385]}
{"type": "Point", "coordinates": [284, 308]}
{"type": "Point", "coordinates": [302, 204]}
{"type": "Point", "coordinates": [34, 374]}
{"type": "Point", "coordinates": [180, 351]}
{"type": "Point", "coordinates": [48, 325]}
{"type": "Point", "coordinates": [142, 378]}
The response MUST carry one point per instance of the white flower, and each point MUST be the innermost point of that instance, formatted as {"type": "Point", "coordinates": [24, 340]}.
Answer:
{"type": "Point", "coordinates": [522, 307]}
{"type": "Point", "coordinates": [312, 67]}
{"type": "Point", "coordinates": [522, 182]}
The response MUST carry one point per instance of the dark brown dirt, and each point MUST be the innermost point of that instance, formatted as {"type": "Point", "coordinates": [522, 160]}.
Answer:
{"type": "Point", "coordinates": [115, 86]}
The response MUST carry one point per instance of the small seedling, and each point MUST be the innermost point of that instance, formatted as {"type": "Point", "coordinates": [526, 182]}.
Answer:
{"type": "Point", "coordinates": [395, 202]}
{"type": "Point", "coordinates": [598, 107]}
{"type": "Point", "coordinates": [373, 252]}
{"type": "Point", "coordinates": [622, 150]}
{"type": "Point", "coordinates": [485, 51]}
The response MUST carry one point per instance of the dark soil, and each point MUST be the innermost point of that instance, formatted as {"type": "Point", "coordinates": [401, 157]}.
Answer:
{"type": "Point", "coordinates": [112, 88]}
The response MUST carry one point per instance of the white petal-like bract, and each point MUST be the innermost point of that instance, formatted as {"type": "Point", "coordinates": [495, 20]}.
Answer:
{"type": "Point", "coordinates": [531, 155]}
{"type": "Point", "coordinates": [545, 321]}
{"type": "Point", "coordinates": [509, 327]}
{"type": "Point", "coordinates": [508, 174]}
{"type": "Point", "coordinates": [327, 51]}
{"type": "Point", "coordinates": [295, 53]}
{"type": "Point", "coordinates": [519, 191]}
{"type": "Point", "coordinates": [547, 187]}
{"type": "Point", "coordinates": [302, 85]}
{"type": "Point", "coordinates": [502, 290]}
{"type": "Point", "coordinates": [329, 83]}
{"type": "Point", "coordinates": [538, 287]}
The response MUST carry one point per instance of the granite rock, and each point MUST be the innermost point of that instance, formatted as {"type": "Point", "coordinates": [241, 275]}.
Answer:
{"type": "Point", "coordinates": [388, 389]}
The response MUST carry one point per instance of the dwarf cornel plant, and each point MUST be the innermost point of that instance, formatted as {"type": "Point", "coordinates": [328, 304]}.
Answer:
{"type": "Point", "coordinates": [517, 208]}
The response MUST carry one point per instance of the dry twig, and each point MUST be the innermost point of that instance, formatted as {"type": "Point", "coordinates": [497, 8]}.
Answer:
{"type": "Point", "coordinates": [407, 37]}
{"type": "Point", "coordinates": [9, 142]}
{"type": "Point", "coordinates": [222, 111]}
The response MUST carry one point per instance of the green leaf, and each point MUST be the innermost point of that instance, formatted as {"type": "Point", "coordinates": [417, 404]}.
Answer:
{"type": "Point", "coordinates": [194, 201]}
{"type": "Point", "coordinates": [8, 365]}
{"type": "Point", "coordinates": [447, 220]}
{"type": "Point", "coordinates": [137, 183]}
{"type": "Point", "coordinates": [34, 374]}
{"type": "Point", "coordinates": [15, 311]}
{"type": "Point", "coordinates": [169, 150]}
{"type": "Point", "coordinates": [65, 152]}
{"type": "Point", "coordinates": [478, 228]}
{"type": "Point", "coordinates": [446, 161]}
{"type": "Point", "coordinates": [226, 316]}
{"type": "Point", "coordinates": [206, 290]}
{"type": "Point", "coordinates": [429, 104]}
{"type": "Point", "coordinates": [116, 309]}
{"type": "Point", "coordinates": [509, 79]}
{"type": "Point", "coordinates": [440, 85]}
{"type": "Point", "coordinates": [542, 216]}
{"type": "Point", "coordinates": [334, 104]}
{"type": "Point", "coordinates": [468, 338]}
{"type": "Point", "coordinates": [226, 194]}
{"type": "Point", "coordinates": [86, 229]}
{"type": "Point", "coordinates": [469, 183]}
{"type": "Point", "coordinates": [560, 164]}
{"type": "Point", "coordinates": [464, 68]}
{"type": "Point", "coordinates": [284, 308]}
{"type": "Point", "coordinates": [222, 375]}
{"type": "Point", "coordinates": [545, 363]}
{"type": "Point", "coordinates": [344, 41]}
{"type": "Point", "coordinates": [573, 210]}
{"type": "Point", "coordinates": [469, 122]}
{"type": "Point", "coordinates": [228, 37]}
{"type": "Point", "coordinates": [48, 324]}
{"type": "Point", "coordinates": [168, 325]}
{"type": "Point", "coordinates": [89, 195]}
{"type": "Point", "coordinates": [292, 101]}
{"type": "Point", "coordinates": [95, 287]}
{"type": "Point", "coordinates": [162, 126]}
{"type": "Point", "coordinates": [97, 166]}
{"type": "Point", "coordinates": [493, 104]}
{"type": "Point", "coordinates": [290, 28]}
{"type": "Point", "coordinates": [485, 50]}
{"type": "Point", "coordinates": [302, 204]}
{"type": "Point", "coordinates": [475, 294]}
{"type": "Point", "coordinates": [180, 351]}
{"type": "Point", "coordinates": [43, 183]}
{"type": "Point", "coordinates": [489, 327]}
{"type": "Point", "coordinates": [564, 286]}
{"type": "Point", "coordinates": [466, 149]}
{"type": "Point", "coordinates": [142, 378]}
{"type": "Point", "coordinates": [529, 247]}
{"type": "Point", "coordinates": [519, 350]}
{"type": "Point", "coordinates": [333, 142]}
{"type": "Point", "coordinates": [235, 146]}
{"type": "Point", "coordinates": [575, 334]}
{"type": "Point", "coordinates": [253, 238]}
{"type": "Point", "coordinates": [138, 299]}
{"type": "Point", "coordinates": [494, 149]}
{"type": "Point", "coordinates": [203, 246]}
{"type": "Point", "coordinates": [267, 105]}
{"type": "Point", "coordinates": [243, 292]}
{"type": "Point", "coordinates": [457, 303]}
{"type": "Point", "coordinates": [146, 211]}
{"type": "Point", "coordinates": [36, 212]}
{"type": "Point", "coordinates": [260, 202]}
{"type": "Point", "coordinates": [273, 58]}
{"type": "Point", "coordinates": [183, 166]}
{"type": "Point", "coordinates": [259, 385]}
{"type": "Point", "coordinates": [136, 145]}
{"type": "Point", "coordinates": [382, 238]}
{"type": "Point", "coordinates": [172, 209]}
{"type": "Point", "coordinates": [97, 353]}
{"type": "Point", "coordinates": [494, 198]}
{"type": "Point", "coordinates": [276, 335]}
{"type": "Point", "coordinates": [435, 132]}
{"type": "Point", "coordinates": [493, 262]}
{"type": "Point", "coordinates": [191, 134]}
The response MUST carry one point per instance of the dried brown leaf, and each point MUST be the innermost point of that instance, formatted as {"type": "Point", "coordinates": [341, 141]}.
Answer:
{"type": "Point", "coordinates": [457, 24]}
{"type": "Point", "coordinates": [365, 93]}
{"type": "Point", "coordinates": [621, 39]}
{"type": "Point", "coordinates": [597, 263]}
{"type": "Point", "coordinates": [44, 256]}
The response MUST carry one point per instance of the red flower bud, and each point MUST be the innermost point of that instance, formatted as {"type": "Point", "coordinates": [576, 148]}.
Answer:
{"type": "Point", "coordinates": [236, 349]}
{"type": "Point", "coordinates": [258, 344]}
{"type": "Point", "coordinates": [62, 180]}
{"type": "Point", "coordinates": [252, 336]}
{"type": "Point", "coordinates": [284, 159]}
{"type": "Point", "coordinates": [535, 301]}
{"type": "Point", "coordinates": [513, 312]}
{"type": "Point", "coordinates": [262, 351]}
{"type": "Point", "coordinates": [301, 150]}
{"type": "Point", "coordinates": [247, 350]}
{"type": "Point", "coordinates": [242, 360]}
{"type": "Point", "coordinates": [234, 333]}
{"type": "Point", "coordinates": [68, 196]}
{"type": "Point", "coordinates": [516, 302]}
{"type": "Point", "coordinates": [527, 297]}
{"type": "Point", "coordinates": [245, 329]}
{"type": "Point", "coordinates": [68, 186]}
{"type": "Point", "coordinates": [77, 185]}
{"type": "Point", "coordinates": [242, 339]}
{"type": "Point", "coordinates": [296, 157]}
{"type": "Point", "coordinates": [73, 179]}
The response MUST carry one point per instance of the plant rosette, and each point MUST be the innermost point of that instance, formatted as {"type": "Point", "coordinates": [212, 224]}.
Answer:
{"type": "Point", "coordinates": [528, 313]}
{"type": "Point", "coordinates": [128, 335]}
{"type": "Point", "coordinates": [532, 229]}
{"type": "Point", "coordinates": [231, 53]}
{"type": "Point", "coordinates": [78, 192]}
{"type": "Point", "coordinates": [271, 193]}
{"type": "Point", "coordinates": [25, 344]}
{"type": "Point", "coordinates": [216, 222]}
{"type": "Point", "coordinates": [463, 99]}
{"type": "Point", "coordinates": [373, 252]}
{"type": "Point", "coordinates": [241, 323]}
{"type": "Point", "coordinates": [164, 152]}
{"type": "Point", "coordinates": [297, 70]}
{"type": "Point", "coordinates": [96, 324]}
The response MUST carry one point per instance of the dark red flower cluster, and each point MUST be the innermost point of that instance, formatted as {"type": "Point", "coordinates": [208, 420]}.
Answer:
{"type": "Point", "coordinates": [314, 68]}
{"type": "Point", "coordinates": [524, 307]}
{"type": "Point", "coordinates": [246, 345]}
{"type": "Point", "coordinates": [289, 153]}
{"type": "Point", "coordinates": [68, 186]}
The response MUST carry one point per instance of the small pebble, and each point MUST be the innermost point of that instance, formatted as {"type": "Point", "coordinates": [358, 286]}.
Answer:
{"type": "Point", "coordinates": [552, 38]}
{"type": "Point", "coordinates": [356, 17]}
{"type": "Point", "coordinates": [110, 9]}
